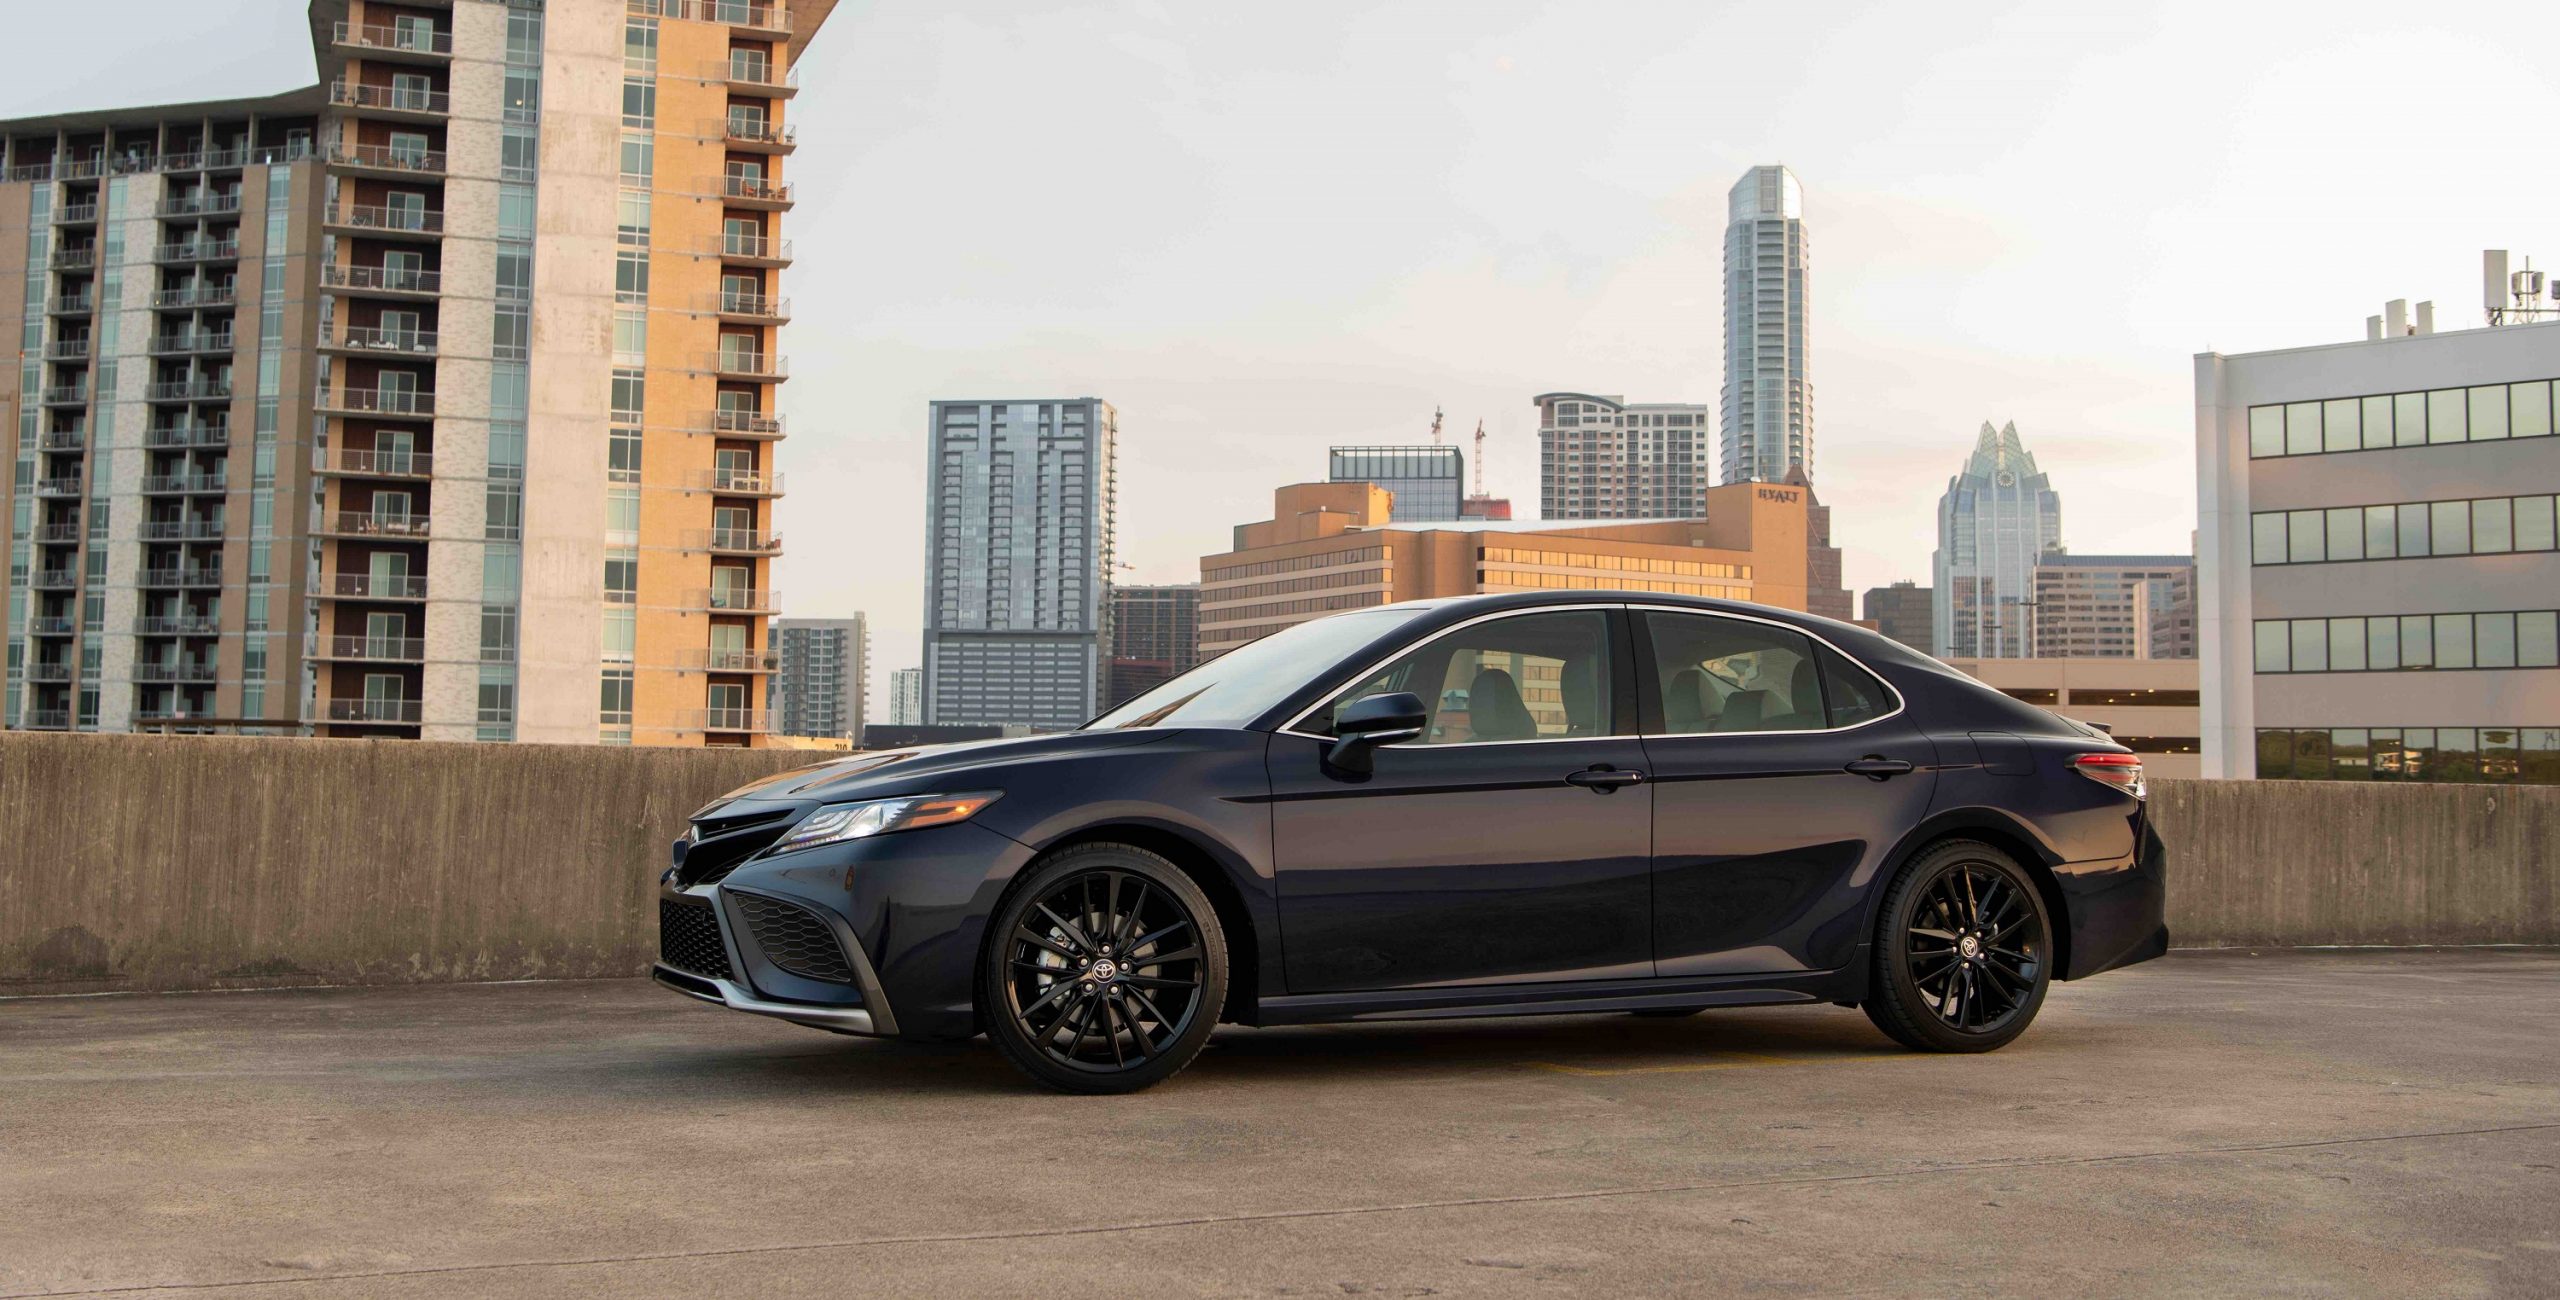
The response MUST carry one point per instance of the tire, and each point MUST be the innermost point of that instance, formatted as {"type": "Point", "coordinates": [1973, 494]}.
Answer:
{"type": "Point", "coordinates": [1963, 951]}
{"type": "Point", "coordinates": [1087, 909]}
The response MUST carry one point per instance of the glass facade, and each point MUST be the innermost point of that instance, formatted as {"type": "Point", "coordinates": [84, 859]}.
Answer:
{"type": "Point", "coordinates": [1428, 482]}
{"type": "Point", "coordinates": [1768, 401]}
{"type": "Point", "coordinates": [2406, 530]}
{"type": "Point", "coordinates": [2482, 413]}
{"type": "Point", "coordinates": [1996, 521]}
{"type": "Point", "coordinates": [2519, 755]}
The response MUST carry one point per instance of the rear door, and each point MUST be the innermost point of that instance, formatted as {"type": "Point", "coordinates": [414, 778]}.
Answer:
{"type": "Point", "coordinates": [1782, 772]}
{"type": "Point", "coordinates": [1512, 842]}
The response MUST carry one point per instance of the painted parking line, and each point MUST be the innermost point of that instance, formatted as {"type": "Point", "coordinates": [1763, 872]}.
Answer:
{"type": "Point", "coordinates": [1733, 1061]}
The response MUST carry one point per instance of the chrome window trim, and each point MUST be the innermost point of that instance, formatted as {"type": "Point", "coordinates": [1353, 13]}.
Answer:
{"type": "Point", "coordinates": [1900, 704]}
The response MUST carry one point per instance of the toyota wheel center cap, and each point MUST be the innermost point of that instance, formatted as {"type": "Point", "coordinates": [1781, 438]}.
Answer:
{"type": "Point", "coordinates": [1106, 969]}
{"type": "Point", "coordinates": [1969, 946]}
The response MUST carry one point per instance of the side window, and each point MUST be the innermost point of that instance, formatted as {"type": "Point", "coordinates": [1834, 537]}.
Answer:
{"type": "Point", "coordinates": [1726, 675]}
{"type": "Point", "coordinates": [1854, 693]}
{"type": "Point", "coordinates": [1527, 677]}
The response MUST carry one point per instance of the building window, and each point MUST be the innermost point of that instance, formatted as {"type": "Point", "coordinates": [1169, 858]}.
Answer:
{"type": "Point", "coordinates": [2488, 413]}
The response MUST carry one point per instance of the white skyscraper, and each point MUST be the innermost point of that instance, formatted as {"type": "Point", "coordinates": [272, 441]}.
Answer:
{"type": "Point", "coordinates": [1768, 402]}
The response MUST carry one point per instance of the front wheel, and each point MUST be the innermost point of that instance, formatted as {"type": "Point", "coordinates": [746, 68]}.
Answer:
{"type": "Point", "coordinates": [1106, 971]}
{"type": "Point", "coordinates": [1963, 951]}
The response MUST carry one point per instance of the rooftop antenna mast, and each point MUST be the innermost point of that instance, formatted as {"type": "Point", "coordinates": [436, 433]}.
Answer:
{"type": "Point", "coordinates": [1435, 426]}
{"type": "Point", "coordinates": [2512, 298]}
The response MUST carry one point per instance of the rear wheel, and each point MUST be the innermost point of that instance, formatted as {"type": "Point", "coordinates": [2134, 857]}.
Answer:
{"type": "Point", "coordinates": [1107, 971]}
{"type": "Point", "coordinates": [1963, 951]}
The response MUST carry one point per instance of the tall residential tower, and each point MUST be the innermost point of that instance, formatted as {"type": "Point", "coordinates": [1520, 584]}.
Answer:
{"type": "Point", "coordinates": [1602, 458]}
{"type": "Point", "coordinates": [1768, 401]}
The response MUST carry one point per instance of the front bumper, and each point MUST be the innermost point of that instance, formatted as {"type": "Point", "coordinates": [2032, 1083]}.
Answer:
{"type": "Point", "coordinates": [813, 973]}
{"type": "Point", "coordinates": [727, 993]}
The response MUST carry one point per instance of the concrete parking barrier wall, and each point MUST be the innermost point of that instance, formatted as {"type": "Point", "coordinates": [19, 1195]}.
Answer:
{"type": "Point", "coordinates": [152, 862]}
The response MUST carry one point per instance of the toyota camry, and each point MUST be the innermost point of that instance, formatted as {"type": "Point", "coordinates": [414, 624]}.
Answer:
{"type": "Point", "coordinates": [1570, 802]}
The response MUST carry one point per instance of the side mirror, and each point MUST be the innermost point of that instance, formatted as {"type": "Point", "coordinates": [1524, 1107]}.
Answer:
{"type": "Point", "coordinates": [1365, 724]}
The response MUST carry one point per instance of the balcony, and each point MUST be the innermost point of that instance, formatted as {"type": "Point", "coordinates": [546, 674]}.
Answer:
{"type": "Point", "coordinates": [181, 671]}
{"type": "Point", "coordinates": [55, 579]}
{"type": "Point", "coordinates": [352, 523]}
{"type": "Point", "coordinates": [755, 192]}
{"type": "Point", "coordinates": [65, 395]}
{"type": "Point", "coordinates": [57, 534]}
{"type": "Point", "coordinates": [63, 439]}
{"type": "Point", "coordinates": [745, 424]}
{"type": "Point", "coordinates": [391, 101]}
{"type": "Point", "coordinates": [750, 250]}
{"type": "Point", "coordinates": [746, 308]}
{"type": "Point", "coordinates": [386, 159]}
{"type": "Point", "coordinates": [753, 76]}
{"type": "Point", "coordinates": [382, 711]}
{"type": "Point", "coordinates": [208, 204]}
{"type": "Point", "coordinates": [735, 363]}
{"type": "Point", "coordinates": [54, 626]}
{"type": "Point", "coordinates": [734, 541]}
{"type": "Point", "coordinates": [177, 625]}
{"type": "Point", "coordinates": [53, 672]}
{"type": "Point", "coordinates": [75, 259]}
{"type": "Point", "coordinates": [380, 279]}
{"type": "Point", "coordinates": [734, 600]}
{"type": "Point", "coordinates": [753, 135]}
{"type": "Point", "coordinates": [716, 660]}
{"type": "Point", "coordinates": [79, 169]}
{"type": "Point", "coordinates": [376, 341]}
{"type": "Point", "coordinates": [59, 489]}
{"type": "Point", "coordinates": [191, 341]}
{"type": "Point", "coordinates": [384, 221]}
{"type": "Point", "coordinates": [740, 483]}
{"type": "Point", "coordinates": [202, 295]}
{"type": "Point", "coordinates": [72, 304]}
{"type": "Point", "coordinates": [173, 437]}
{"type": "Point", "coordinates": [374, 464]}
{"type": "Point", "coordinates": [749, 16]}
{"type": "Point", "coordinates": [76, 214]}
{"type": "Point", "coordinates": [377, 649]}
{"type": "Point", "coordinates": [198, 250]}
{"type": "Point", "coordinates": [37, 172]}
{"type": "Point", "coordinates": [171, 485]}
{"type": "Point", "coordinates": [67, 350]}
{"type": "Point", "coordinates": [376, 401]}
{"type": "Point", "coordinates": [201, 578]}
{"type": "Point", "coordinates": [748, 720]}
{"type": "Point", "coordinates": [397, 44]}
{"type": "Point", "coordinates": [189, 390]}
{"type": "Point", "coordinates": [182, 530]}
{"type": "Point", "coordinates": [47, 719]}
{"type": "Point", "coordinates": [368, 586]}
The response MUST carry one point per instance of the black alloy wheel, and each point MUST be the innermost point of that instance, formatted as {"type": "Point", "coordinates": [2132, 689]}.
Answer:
{"type": "Point", "coordinates": [1106, 970]}
{"type": "Point", "coordinates": [1964, 952]}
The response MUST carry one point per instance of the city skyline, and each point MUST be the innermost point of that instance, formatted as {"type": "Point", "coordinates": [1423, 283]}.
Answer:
{"type": "Point", "coordinates": [1465, 286]}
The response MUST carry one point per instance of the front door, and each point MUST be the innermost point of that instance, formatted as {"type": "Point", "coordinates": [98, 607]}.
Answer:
{"type": "Point", "coordinates": [1505, 845]}
{"type": "Point", "coordinates": [1765, 840]}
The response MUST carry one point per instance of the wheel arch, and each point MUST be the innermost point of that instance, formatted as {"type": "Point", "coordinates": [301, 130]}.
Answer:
{"type": "Point", "coordinates": [1211, 871]}
{"type": "Point", "coordinates": [2001, 831]}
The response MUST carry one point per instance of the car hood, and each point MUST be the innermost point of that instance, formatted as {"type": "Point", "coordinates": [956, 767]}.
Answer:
{"type": "Point", "coordinates": [921, 769]}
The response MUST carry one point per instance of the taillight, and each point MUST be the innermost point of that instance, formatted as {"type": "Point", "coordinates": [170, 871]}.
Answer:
{"type": "Point", "coordinates": [2123, 771]}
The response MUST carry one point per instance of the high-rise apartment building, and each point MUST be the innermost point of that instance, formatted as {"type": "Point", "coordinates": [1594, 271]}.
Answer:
{"type": "Point", "coordinates": [2377, 560]}
{"type": "Point", "coordinates": [2112, 606]}
{"type": "Point", "coordinates": [1155, 637]}
{"type": "Point", "coordinates": [906, 697]}
{"type": "Point", "coordinates": [1997, 518]}
{"type": "Point", "coordinates": [314, 434]}
{"type": "Point", "coordinates": [1901, 611]}
{"type": "Point", "coordinates": [1332, 546]}
{"type": "Point", "coordinates": [1601, 458]}
{"type": "Point", "coordinates": [822, 672]}
{"type": "Point", "coordinates": [1018, 538]}
{"type": "Point", "coordinates": [1430, 483]}
{"type": "Point", "coordinates": [1768, 401]}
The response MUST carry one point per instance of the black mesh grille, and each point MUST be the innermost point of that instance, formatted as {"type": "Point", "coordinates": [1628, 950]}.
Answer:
{"type": "Point", "coordinates": [722, 843]}
{"type": "Point", "coordinates": [795, 939]}
{"type": "Point", "coordinates": [689, 939]}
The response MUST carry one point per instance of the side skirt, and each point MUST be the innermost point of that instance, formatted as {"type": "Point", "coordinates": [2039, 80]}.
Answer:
{"type": "Point", "coordinates": [1581, 997]}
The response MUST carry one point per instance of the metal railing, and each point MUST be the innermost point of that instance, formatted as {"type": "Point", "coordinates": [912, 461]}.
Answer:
{"type": "Point", "coordinates": [193, 341]}
{"type": "Point", "coordinates": [717, 660]}
{"type": "Point", "coordinates": [57, 487]}
{"type": "Point", "coordinates": [388, 464]}
{"type": "Point", "coordinates": [66, 395]}
{"type": "Point", "coordinates": [754, 247]}
{"type": "Point", "coordinates": [382, 279]}
{"type": "Point", "coordinates": [735, 600]}
{"type": "Point", "coordinates": [373, 710]}
{"type": "Point", "coordinates": [741, 481]}
{"type": "Point", "coordinates": [190, 205]}
{"type": "Point", "coordinates": [359, 524]}
{"type": "Point", "coordinates": [410, 342]}
{"type": "Point", "coordinates": [174, 672]}
{"type": "Point", "coordinates": [744, 541]}
{"type": "Point", "coordinates": [202, 295]}
{"type": "Point", "coordinates": [398, 99]}
{"type": "Point", "coordinates": [383, 157]}
{"type": "Point", "coordinates": [73, 304]}
{"type": "Point", "coordinates": [52, 672]}
{"type": "Point", "coordinates": [183, 484]}
{"type": "Point", "coordinates": [746, 423]}
{"type": "Point", "coordinates": [401, 40]}
{"type": "Point", "coordinates": [67, 350]}
{"type": "Point", "coordinates": [386, 649]}
{"type": "Point", "coordinates": [366, 586]}
{"type": "Point", "coordinates": [746, 304]}
{"type": "Point", "coordinates": [75, 259]}
{"type": "Point", "coordinates": [755, 189]}
{"type": "Point", "coordinates": [57, 533]}
{"type": "Point", "coordinates": [168, 436]}
{"type": "Point", "coordinates": [726, 720]}
{"type": "Point", "coordinates": [735, 362]}
{"type": "Point", "coordinates": [47, 719]}
{"type": "Point", "coordinates": [751, 131]}
{"type": "Point", "coordinates": [64, 439]}
{"type": "Point", "coordinates": [184, 625]}
{"type": "Point", "coordinates": [188, 390]}
{"type": "Point", "coordinates": [75, 214]}
{"type": "Point", "coordinates": [182, 530]}
{"type": "Point", "coordinates": [383, 216]}
{"type": "Point", "coordinates": [737, 13]}
{"type": "Point", "coordinates": [378, 401]}
{"type": "Point", "coordinates": [751, 72]}
{"type": "Point", "coordinates": [198, 250]}
{"type": "Point", "coordinates": [57, 625]}
{"type": "Point", "coordinates": [182, 577]}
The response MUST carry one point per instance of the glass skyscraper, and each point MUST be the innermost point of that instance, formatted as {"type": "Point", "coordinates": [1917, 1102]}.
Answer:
{"type": "Point", "coordinates": [1768, 402]}
{"type": "Point", "coordinates": [1997, 519]}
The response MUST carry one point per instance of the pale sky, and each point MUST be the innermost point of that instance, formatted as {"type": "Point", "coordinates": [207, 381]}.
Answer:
{"type": "Point", "coordinates": [1263, 230]}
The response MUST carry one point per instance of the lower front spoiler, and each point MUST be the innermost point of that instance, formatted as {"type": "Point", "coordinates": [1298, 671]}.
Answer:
{"type": "Point", "coordinates": [728, 993]}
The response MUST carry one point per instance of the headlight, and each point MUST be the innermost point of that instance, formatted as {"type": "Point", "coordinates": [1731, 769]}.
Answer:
{"type": "Point", "coordinates": [838, 822]}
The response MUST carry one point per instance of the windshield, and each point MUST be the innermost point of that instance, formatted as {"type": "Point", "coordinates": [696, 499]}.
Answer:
{"type": "Point", "coordinates": [1244, 683]}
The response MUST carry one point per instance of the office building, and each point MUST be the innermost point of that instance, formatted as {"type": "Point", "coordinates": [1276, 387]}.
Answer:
{"type": "Point", "coordinates": [1155, 637]}
{"type": "Point", "coordinates": [1018, 558]}
{"type": "Point", "coordinates": [1329, 547]}
{"type": "Point", "coordinates": [1430, 483]}
{"type": "Point", "coordinates": [2148, 706]}
{"type": "Point", "coordinates": [1602, 458]}
{"type": "Point", "coordinates": [1824, 593]}
{"type": "Point", "coordinates": [1996, 519]}
{"type": "Point", "coordinates": [2113, 606]}
{"type": "Point", "coordinates": [314, 435]}
{"type": "Point", "coordinates": [1901, 611]}
{"type": "Point", "coordinates": [906, 697]}
{"type": "Point", "coordinates": [822, 672]}
{"type": "Point", "coordinates": [1768, 401]}
{"type": "Point", "coordinates": [2376, 566]}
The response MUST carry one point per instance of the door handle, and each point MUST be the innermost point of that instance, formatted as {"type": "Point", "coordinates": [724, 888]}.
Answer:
{"type": "Point", "coordinates": [1877, 769]}
{"type": "Point", "coordinates": [1603, 780]}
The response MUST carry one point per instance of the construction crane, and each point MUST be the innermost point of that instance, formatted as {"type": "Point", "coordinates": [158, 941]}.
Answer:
{"type": "Point", "coordinates": [1479, 458]}
{"type": "Point", "coordinates": [1435, 426]}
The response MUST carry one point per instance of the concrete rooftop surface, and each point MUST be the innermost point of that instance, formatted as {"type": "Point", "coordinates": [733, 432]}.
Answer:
{"type": "Point", "coordinates": [2369, 1123]}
